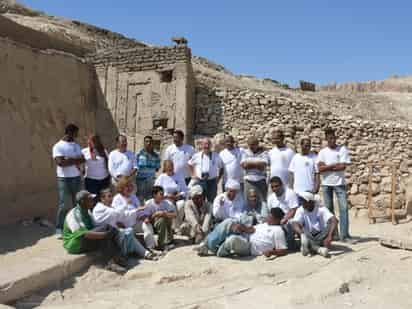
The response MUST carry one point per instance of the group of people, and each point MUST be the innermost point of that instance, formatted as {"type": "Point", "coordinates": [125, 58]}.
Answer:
{"type": "Point", "coordinates": [256, 213]}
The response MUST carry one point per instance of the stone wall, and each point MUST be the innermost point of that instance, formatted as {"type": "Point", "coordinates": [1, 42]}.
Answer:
{"type": "Point", "coordinates": [245, 112]}
{"type": "Point", "coordinates": [147, 91]}
{"type": "Point", "coordinates": [40, 92]}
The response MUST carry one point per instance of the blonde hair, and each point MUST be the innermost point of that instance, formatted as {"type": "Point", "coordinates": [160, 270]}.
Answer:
{"type": "Point", "coordinates": [122, 183]}
{"type": "Point", "coordinates": [165, 163]}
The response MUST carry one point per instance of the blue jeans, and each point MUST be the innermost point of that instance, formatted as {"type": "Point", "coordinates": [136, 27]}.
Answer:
{"type": "Point", "coordinates": [341, 195]}
{"type": "Point", "coordinates": [219, 234]}
{"type": "Point", "coordinates": [144, 188]}
{"type": "Point", "coordinates": [67, 189]}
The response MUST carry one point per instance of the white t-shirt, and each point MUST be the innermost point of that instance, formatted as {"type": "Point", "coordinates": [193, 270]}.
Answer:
{"type": "Point", "coordinates": [171, 184]}
{"type": "Point", "coordinates": [254, 174]}
{"type": "Point", "coordinates": [304, 169]}
{"type": "Point", "coordinates": [121, 163]}
{"type": "Point", "coordinates": [267, 237]}
{"type": "Point", "coordinates": [103, 215]}
{"type": "Point", "coordinates": [231, 164]}
{"type": "Point", "coordinates": [95, 169]}
{"type": "Point", "coordinates": [180, 157]}
{"type": "Point", "coordinates": [332, 156]}
{"type": "Point", "coordinates": [314, 221]}
{"type": "Point", "coordinates": [280, 159]}
{"type": "Point", "coordinates": [124, 205]}
{"type": "Point", "coordinates": [229, 209]}
{"type": "Point", "coordinates": [288, 200]}
{"type": "Point", "coordinates": [67, 150]}
{"type": "Point", "coordinates": [205, 164]}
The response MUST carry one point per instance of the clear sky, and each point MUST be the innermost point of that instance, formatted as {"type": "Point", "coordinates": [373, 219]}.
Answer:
{"type": "Point", "coordinates": [321, 41]}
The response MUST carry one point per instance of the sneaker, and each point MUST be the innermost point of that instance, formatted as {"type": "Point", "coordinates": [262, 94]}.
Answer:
{"type": "Point", "coordinates": [323, 251]}
{"type": "Point", "coordinates": [201, 249]}
{"type": "Point", "coordinates": [151, 256]}
{"type": "Point", "coordinates": [59, 234]}
{"type": "Point", "coordinates": [304, 245]}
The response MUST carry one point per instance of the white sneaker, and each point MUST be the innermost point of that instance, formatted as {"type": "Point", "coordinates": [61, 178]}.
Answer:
{"type": "Point", "coordinates": [304, 245]}
{"type": "Point", "coordinates": [59, 234]}
{"type": "Point", "coordinates": [323, 251]}
{"type": "Point", "coordinates": [201, 249]}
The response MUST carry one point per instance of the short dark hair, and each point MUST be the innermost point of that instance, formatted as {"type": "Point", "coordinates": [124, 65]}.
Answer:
{"type": "Point", "coordinates": [179, 132]}
{"type": "Point", "coordinates": [276, 179]}
{"type": "Point", "coordinates": [277, 213]}
{"type": "Point", "coordinates": [157, 189]}
{"type": "Point", "coordinates": [71, 128]}
{"type": "Point", "coordinates": [103, 192]}
{"type": "Point", "coordinates": [329, 131]}
{"type": "Point", "coordinates": [147, 137]}
{"type": "Point", "coordinates": [119, 136]}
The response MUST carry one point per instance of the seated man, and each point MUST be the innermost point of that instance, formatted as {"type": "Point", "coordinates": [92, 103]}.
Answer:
{"type": "Point", "coordinates": [104, 214]}
{"type": "Point", "coordinates": [254, 207]}
{"type": "Point", "coordinates": [81, 236]}
{"type": "Point", "coordinates": [229, 204]}
{"type": "Point", "coordinates": [314, 224]}
{"type": "Point", "coordinates": [285, 199]}
{"type": "Point", "coordinates": [231, 238]}
{"type": "Point", "coordinates": [160, 214]}
{"type": "Point", "coordinates": [198, 215]}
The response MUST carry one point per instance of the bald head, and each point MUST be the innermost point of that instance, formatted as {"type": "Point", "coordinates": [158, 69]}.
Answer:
{"type": "Point", "coordinates": [206, 145]}
{"type": "Point", "coordinates": [278, 138]}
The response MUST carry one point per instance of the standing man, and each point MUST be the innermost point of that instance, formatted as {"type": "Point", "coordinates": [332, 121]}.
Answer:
{"type": "Point", "coordinates": [254, 162]}
{"type": "Point", "coordinates": [280, 157]}
{"type": "Point", "coordinates": [333, 160]}
{"type": "Point", "coordinates": [303, 169]}
{"type": "Point", "coordinates": [180, 154]}
{"type": "Point", "coordinates": [231, 157]}
{"type": "Point", "coordinates": [205, 167]}
{"type": "Point", "coordinates": [122, 162]}
{"type": "Point", "coordinates": [148, 163]}
{"type": "Point", "coordinates": [68, 157]}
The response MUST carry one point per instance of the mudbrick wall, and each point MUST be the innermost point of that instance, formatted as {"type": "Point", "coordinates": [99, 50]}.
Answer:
{"type": "Point", "coordinates": [147, 91]}
{"type": "Point", "coordinates": [40, 92]}
{"type": "Point", "coordinates": [245, 112]}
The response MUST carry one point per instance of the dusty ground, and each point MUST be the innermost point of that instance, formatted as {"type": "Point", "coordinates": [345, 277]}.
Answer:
{"type": "Point", "coordinates": [364, 275]}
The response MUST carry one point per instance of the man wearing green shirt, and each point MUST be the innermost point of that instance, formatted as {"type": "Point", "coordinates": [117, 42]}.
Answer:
{"type": "Point", "coordinates": [80, 235]}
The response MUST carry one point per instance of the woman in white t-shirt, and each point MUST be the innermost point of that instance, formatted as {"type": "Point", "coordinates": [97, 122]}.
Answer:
{"type": "Point", "coordinates": [126, 200]}
{"type": "Point", "coordinates": [96, 171]}
{"type": "Point", "coordinates": [175, 190]}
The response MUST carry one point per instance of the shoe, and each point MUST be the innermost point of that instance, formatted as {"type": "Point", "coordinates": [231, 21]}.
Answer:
{"type": "Point", "coordinates": [304, 245]}
{"type": "Point", "coordinates": [323, 251]}
{"type": "Point", "coordinates": [151, 256]}
{"type": "Point", "coordinates": [59, 234]}
{"type": "Point", "coordinates": [201, 249]}
{"type": "Point", "coordinates": [116, 268]}
{"type": "Point", "coordinates": [170, 246]}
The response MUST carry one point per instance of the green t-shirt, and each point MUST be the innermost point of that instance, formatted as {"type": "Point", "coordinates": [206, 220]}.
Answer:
{"type": "Point", "coordinates": [77, 223]}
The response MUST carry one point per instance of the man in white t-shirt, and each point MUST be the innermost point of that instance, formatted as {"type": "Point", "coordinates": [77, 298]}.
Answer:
{"type": "Point", "coordinates": [254, 162]}
{"type": "Point", "coordinates": [122, 162]}
{"type": "Point", "coordinates": [284, 198]}
{"type": "Point", "coordinates": [315, 224]}
{"type": "Point", "coordinates": [68, 157]}
{"type": "Point", "coordinates": [280, 157]}
{"type": "Point", "coordinates": [229, 204]}
{"type": "Point", "coordinates": [332, 162]}
{"type": "Point", "coordinates": [303, 169]}
{"type": "Point", "coordinates": [180, 154]}
{"type": "Point", "coordinates": [206, 170]}
{"type": "Point", "coordinates": [231, 157]}
{"type": "Point", "coordinates": [231, 238]}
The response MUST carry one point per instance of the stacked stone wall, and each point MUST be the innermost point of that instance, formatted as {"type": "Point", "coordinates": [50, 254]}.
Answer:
{"type": "Point", "coordinates": [245, 112]}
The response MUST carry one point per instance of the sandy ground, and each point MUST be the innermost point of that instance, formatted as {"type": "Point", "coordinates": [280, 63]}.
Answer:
{"type": "Point", "coordinates": [363, 275]}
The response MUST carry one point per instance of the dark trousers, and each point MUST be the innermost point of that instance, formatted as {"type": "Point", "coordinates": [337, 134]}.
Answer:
{"type": "Point", "coordinates": [95, 186]}
{"type": "Point", "coordinates": [107, 246]}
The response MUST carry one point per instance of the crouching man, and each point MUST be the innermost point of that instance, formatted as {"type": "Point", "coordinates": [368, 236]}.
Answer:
{"type": "Point", "coordinates": [315, 225]}
{"type": "Point", "coordinates": [231, 238]}
{"type": "Point", "coordinates": [81, 236]}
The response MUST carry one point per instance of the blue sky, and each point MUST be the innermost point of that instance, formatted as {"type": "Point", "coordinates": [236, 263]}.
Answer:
{"type": "Point", "coordinates": [321, 41]}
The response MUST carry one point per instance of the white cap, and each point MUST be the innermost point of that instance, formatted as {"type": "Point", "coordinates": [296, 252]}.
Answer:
{"type": "Point", "coordinates": [196, 190]}
{"type": "Point", "coordinates": [232, 184]}
{"type": "Point", "coordinates": [307, 196]}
